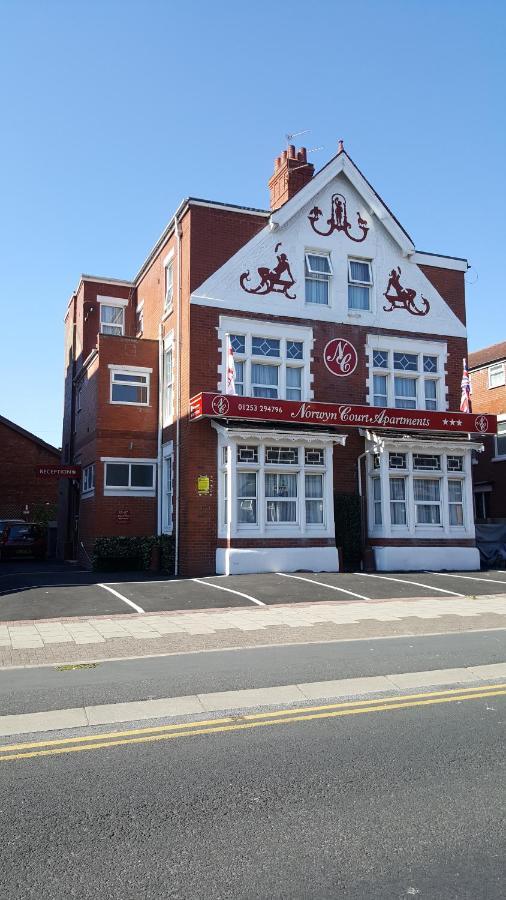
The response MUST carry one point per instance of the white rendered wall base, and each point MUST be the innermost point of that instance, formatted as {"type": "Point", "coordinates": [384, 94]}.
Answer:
{"type": "Point", "coordinates": [243, 561]}
{"type": "Point", "coordinates": [417, 559]}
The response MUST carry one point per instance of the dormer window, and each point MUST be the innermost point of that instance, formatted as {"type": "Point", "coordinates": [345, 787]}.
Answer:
{"type": "Point", "coordinates": [318, 274]}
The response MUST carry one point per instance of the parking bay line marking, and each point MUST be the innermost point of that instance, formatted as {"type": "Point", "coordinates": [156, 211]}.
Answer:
{"type": "Point", "coordinates": [430, 587]}
{"type": "Point", "coordinates": [332, 587]}
{"type": "Point", "coordinates": [216, 729]}
{"type": "Point", "coordinates": [229, 590]}
{"type": "Point", "coordinates": [111, 590]}
{"type": "Point", "coordinates": [468, 577]}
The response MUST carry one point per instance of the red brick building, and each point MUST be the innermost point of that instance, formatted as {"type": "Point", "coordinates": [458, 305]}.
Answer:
{"type": "Point", "coordinates": [347, 346]}
{"type": "Point", "coordinates": [487, 371]}
{"type": "Point", "coordinates": [22, 492]}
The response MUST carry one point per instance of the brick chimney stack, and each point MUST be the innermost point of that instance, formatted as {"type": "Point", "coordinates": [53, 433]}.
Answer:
{"type": "Point", "coordinates": [291, 173]}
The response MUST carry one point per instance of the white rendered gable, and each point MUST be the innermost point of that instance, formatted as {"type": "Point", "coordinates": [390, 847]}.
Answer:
{"type": "Point", "coordinates": [292, 231]}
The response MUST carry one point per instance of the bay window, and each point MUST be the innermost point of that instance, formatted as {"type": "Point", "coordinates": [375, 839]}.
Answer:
{"type": "Point", "coordinates": [424, 492]}
{"type": "Point", "coordinates": [275, 488]}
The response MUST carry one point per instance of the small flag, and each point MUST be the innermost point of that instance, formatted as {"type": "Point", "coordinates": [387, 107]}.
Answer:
{"type": "Point", "coordinates": [465, 384]}
{"type": "Point", "coordinates": [230, 378]}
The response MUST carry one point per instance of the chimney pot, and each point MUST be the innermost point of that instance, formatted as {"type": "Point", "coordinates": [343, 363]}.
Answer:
{"type": "Point", "coordinates": [287, 178]}
{"type": "Point", "coordinates": [340, 146]}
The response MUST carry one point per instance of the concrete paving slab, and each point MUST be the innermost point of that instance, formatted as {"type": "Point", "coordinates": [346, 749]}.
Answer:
{"type": "Point", "coordinates": [345, 687]}
{"type": "Point", "coordinates": [53, 720]}
{"type": "Point", "coordinates": [251, 698]}
{"type": "Point", "coordinates": [492, 670]}
{"type": "Point", "coordinates": [142, 709]}
{"type": "Point", "coordinates": [436, 677]}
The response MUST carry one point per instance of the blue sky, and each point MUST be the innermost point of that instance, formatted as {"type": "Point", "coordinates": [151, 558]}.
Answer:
{"type": "Point", "coordinates": [112, 111]}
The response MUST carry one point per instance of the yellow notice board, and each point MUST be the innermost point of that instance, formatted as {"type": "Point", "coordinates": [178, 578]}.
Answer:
{"type": "Point", "coordinates": [203, 484]}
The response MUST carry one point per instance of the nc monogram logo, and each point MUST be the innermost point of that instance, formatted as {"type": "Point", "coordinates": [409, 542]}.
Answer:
{"type": "Point", "coordinates": [340, 357]}
{"type": "Point", "coordinates": [220, 406]}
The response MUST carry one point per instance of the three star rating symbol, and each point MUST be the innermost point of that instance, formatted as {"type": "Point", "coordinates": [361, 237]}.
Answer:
{"type": "Point", "coordinates": [452, 421]}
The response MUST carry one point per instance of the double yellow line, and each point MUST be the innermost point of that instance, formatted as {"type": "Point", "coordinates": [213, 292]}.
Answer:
{"type": "Point", "coordinates": [101, 741]}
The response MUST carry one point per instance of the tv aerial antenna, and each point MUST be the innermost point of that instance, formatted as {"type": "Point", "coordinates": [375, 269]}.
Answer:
{"type": "Point", "coordinates": [290, 137]}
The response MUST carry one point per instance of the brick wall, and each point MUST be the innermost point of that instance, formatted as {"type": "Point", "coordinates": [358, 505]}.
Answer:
{"type": "Point", "coordinates": [487, 471]}
{"type": "Point", "coordinates": [450, 284]}
{"type": "Point", "coordinates": [485, 399]}
{"type": "Point", "coordinates": [19, 485]}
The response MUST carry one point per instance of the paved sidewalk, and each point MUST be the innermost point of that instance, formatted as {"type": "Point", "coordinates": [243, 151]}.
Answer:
{"type": "Point", "coordinates": [67, 640]}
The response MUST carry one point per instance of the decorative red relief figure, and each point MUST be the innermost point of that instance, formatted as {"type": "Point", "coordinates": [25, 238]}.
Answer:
{"type": "Point", "coordinates": [403, 298]}
{"type": "Point", "coordinates": [272, 281]}
{"type": "Point", "coordinates": [338, 220]}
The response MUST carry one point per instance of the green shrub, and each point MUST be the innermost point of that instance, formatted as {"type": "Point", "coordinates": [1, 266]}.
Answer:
{"type": "Point", "coordinates": [167, 555]}
{"type": "Point", "coordinates": [122, 553]}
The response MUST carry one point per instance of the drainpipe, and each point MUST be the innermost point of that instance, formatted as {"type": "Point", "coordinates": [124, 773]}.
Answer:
{"type": "Point", "coordinates": [160, 430]}
{"type": "Point", "coordinates": [363, 513]}
{"type": "Point", "coordinates": [178, 232]}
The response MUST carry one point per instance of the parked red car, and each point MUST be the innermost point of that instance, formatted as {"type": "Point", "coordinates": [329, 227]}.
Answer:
{"type": "Point", "coordinates": [26, 539]}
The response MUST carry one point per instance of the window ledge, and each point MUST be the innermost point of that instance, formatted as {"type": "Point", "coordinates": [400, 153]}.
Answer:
{"type": "Point", "coordinates": [496, 459]}
{"type": "Point", "coordinates": [128, 403]}
{"type": "Point", "coordinates": [128, 492]}
{"type": "Point", "coordinates": [167, 313]}
{"type": "Point", "coordinates": [86, 494]}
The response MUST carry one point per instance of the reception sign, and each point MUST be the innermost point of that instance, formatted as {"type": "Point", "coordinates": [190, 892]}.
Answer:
{"type": "Point", "coordinates": [58, 471]}
{"type": "Point", "coordinates": [338, 415]}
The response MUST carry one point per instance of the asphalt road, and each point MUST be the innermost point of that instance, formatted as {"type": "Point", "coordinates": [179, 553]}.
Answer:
{"type": "Point", "coordinates": [384, 805]}
{"type": "Point", "coordinates": [30, 590]}
{"type": "Point", "coordinates": [37, 689]}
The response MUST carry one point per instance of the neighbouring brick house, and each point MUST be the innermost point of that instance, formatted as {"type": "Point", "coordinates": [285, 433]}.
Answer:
{"type": "Point", "coordinates": [263, 372]}
{"type": "Point", "coordinates": [487, 371]}
{"type": "Point", "coordinates": [22, 491]}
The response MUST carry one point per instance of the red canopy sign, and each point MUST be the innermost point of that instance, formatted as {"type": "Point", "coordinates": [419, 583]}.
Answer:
{"type": "Point", "coordinates": [58, 471]}
{"type": "Point", "coordinates": [338, 415]}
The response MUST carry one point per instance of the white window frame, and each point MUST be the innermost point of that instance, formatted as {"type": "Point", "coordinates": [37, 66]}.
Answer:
{"type": "Point", "coordinates": [88, 481]}
{"type": "Point", "coordinates": [501, 424]}
{"type": "Point", "coordinates": [118, 303]}
{"type": "Point", "coordinates": [385, 471]}
{"type": "Point", "coordinates": [420, 348]}
{"type": "Point", "coordinates": [229, 467]}
{"type": "Point", "coordinates": [129, 370]}
{"type": "Point", "coordinates": [250, 328]}
{"type": "Point", "coordinates": [311, 274]}
{"type": "Point", "coordinates": [496, 369]}
{"type": "Point", "coordinates": [354, 283]}
{"type": "Point", "coordinates": [168, 286]}
{"type": "Point", "coordinates": [168, 396]}
{"type": "Point", "coordinates": [129, 490]}
{"type": "Point", "coordinates": [167, 496]}
{"type": "Point", "coordinates": [139, 314]}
